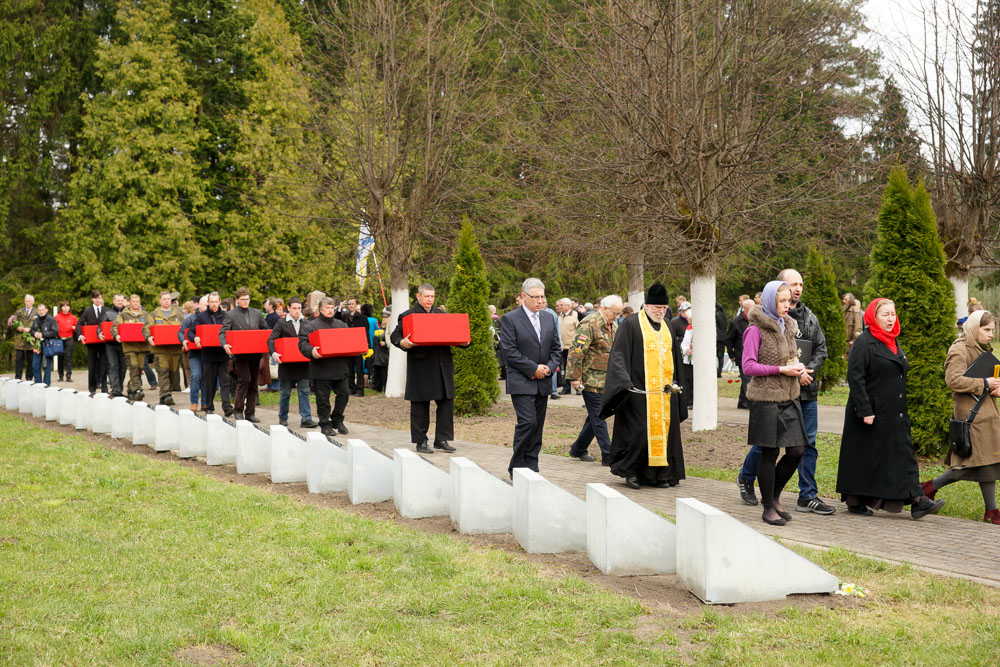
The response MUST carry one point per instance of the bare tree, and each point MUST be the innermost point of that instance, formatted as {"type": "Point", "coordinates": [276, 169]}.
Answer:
{"type": "Point", "coordinates": [399, 84]}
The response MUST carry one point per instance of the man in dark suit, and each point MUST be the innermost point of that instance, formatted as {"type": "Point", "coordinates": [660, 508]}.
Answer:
{"type": "Point", "coordinates": [97, 362]}
{"type": "Point", "coordinates": [430, 376]}
{"type": "Point", "coordinates": [329, 374]}
{"type": "Point", "coordinates": [352, 317]}
{"type": "Point", "coordinates": [532, 349]}
{"type": "Point", "coordinates": [243, 318]}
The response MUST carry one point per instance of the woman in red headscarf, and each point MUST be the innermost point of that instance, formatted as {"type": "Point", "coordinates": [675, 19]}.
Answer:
{"type": "Point", "coordinates": [877, 467]}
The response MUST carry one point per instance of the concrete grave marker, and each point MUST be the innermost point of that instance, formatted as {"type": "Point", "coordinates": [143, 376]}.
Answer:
{"type": "Point", "coordinates": [102, 414]}
{"type": "Point", "coordinates": [289, 456]}
{"type": "Point", "coordinates": [121, 418]}
{"type": "Point", "coordinates": [547, 518]}
{"type": "Point", "coordinates": [37, 392]}
{"type": "Point", "coordinates": [221, 439]}
{"type": "Point", "coordinates": [167, 427]}
{"type": "Point", "coordinates": [67, 406]}
{"type": "Point", "coordinates": [51, 403]}
{"type": "Point", "coordinates": [480, 502]}
{"type": "Point", "coordinates": [419, 488]}
{"type": "Point", "coordinates": [24, 404]}
{"type": "Point", "coordinates": [143, 424]}
{"type": "Point", "coordinates": [84, 406]}
{"type": "Point", "coordinates": [369, 474]}
{"type": "Point", "coordinates": [191, 438]}
{"type": "Point", "coordinates": [723, 561]}
{"type": "Point", "coordinates": [11, 394]}
{"type": "Point", "coordinates": [625, 538]}
{"type": "Point", "coordinates": [253, 449]}
{"type": "Point", "coordinates": [327, 467]}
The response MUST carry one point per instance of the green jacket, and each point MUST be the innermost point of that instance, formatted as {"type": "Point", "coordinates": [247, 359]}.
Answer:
{"type": "Point", "coordinates": [22, 319]}
{"type": "Point", "coordinates": [588, 358]}
{"type": "Point", "coordinates": [126, 316]}
{"type": "Point", "coordinates": [159, 316]}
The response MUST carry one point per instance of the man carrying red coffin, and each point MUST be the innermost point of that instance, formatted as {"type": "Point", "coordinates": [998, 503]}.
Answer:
{"type": "Point", "coordinates": [327, 373]}
{"type": "Point", "coordinates": [97, 363]}
{"type": "Point", "coordinates": [244, 318]}
{"type": "Point", "coordinates": [430, 376]}
{"type": "Point", "coordinates": [291, 373]}
{"type": "Point", "coordinates": [214, 360]}
{"type": "Point", "coordinates": [135, 352]}
{"type": "Point", "coordinates": [166, 357]}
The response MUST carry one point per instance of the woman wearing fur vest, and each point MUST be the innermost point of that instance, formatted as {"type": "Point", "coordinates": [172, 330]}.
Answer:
{"type": "Point", "coordinates": [771, 360]}
{"type": "Point", "coordinates": [983, 465]}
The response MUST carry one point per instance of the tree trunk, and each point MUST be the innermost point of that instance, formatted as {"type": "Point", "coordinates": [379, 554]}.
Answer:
{"type": "Point", "coordinates": [961, 285]}
{"type": "Point", "coordinates": [395, 383]}
{"type": "Point", "coordinates": [636, 282]}
{"type": "Point", "coordinates": [705, 417]}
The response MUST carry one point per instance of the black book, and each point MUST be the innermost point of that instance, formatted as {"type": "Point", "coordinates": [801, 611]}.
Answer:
{"type": "Point", "coordinates": [982, 367]}
{"type": "Point", "coordinates": [804, 348]}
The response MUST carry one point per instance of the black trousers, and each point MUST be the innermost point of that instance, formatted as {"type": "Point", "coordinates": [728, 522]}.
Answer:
{"type": "Point", "coordinates": [97, 368]}
{"type": "Point", "coordinates": [341, 390]}
{"type": "Point", "coordinates": [116, 367]}
{"type": "Point", "coordinates": [420, 420]}
{"type": "Point", "coordinates": [247, 367]}
{"type": "Point", "coordinates": [356, 376]}
{"type": "Point", "coordinates": [66, 359]}
{"type": "Point", "coordinates": [216, 372]}
{"type": "Point", "coordinates": [22, 362]}
{"type": "Point", "coordinates": [567, 387]}
{"type": "Point", "coordinates": [720, 351]}
{"type": "Point", "coordinates": [530, 410]}
{"type": "Point", "coordinates": [379, 377]}
{"type": "Point", "coordinates": [744, 379]}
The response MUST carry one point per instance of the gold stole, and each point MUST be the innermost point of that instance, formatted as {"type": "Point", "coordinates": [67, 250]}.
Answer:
{"type": "Point", "coordinates": [658, 362]}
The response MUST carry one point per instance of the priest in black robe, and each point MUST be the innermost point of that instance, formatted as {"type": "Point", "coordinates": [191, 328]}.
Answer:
{"type": "Point", "coordinates": [643, 450]}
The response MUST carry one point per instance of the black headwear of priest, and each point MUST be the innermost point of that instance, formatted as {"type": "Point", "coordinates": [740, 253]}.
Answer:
{"type": "Point", "coordinates": [657, 295]}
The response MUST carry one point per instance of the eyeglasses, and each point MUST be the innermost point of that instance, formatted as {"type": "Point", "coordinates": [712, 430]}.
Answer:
{"type": "Point", "coordinates": [535, 297]}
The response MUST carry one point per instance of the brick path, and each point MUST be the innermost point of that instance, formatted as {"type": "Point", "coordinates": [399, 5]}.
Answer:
{"type": "Point", "coordinates": [940, 544]}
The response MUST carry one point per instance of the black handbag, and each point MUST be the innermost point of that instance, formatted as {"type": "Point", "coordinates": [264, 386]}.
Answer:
{"type": "Point", "coordinates": [958, 430]}
{"type": "Point", "coordinates": [52, 347]}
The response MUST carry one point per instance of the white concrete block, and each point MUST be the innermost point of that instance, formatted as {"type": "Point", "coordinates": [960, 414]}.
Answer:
{"type": "Point", "coordinates": [625, 538]}
{"type": "Point", "coordinates": [221, 439]}
{"type": "Point", "coordinates": [102, 414]}
{"type": "Point", "coordinates": [143, 424]}
{"type": "Point", "coordinates": [11, 391]}
{"type": "Point", "coordinates": [327, 467]}
{"type": "Point", "coordinates": [547, 518]}
{"type": "Point", "coordinates": [419, 488]}
{"type": "Point", "coordinates": [369, 474]}
{"type": "Point", "coordinates": [51, 404]}
{"type": "Point", "coordinates": [167, 427]}
{"type": "Point", "coordinates": [84, 407]}
{"type": "Point", "coordinates": [253, 449]}
{"type": "Point", "coordinates": [191, 436]}
{"type": "Point", "coordinates": [121, 418]}
{"type": "Point", "coordinates": [289, 456]}
{"type": "Point", "coordinates": [37, 391]}
{"type": "Point", "coordinates": [67, 406]}
{"type": "Point", "coordinates": [480, 502]}
{"type": "Point", "coordinates": [722, 560]}
{"type": "Point", "coordinates": [24, 404]}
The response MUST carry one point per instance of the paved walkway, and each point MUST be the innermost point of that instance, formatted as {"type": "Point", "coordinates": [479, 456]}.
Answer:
{"type": "Point", "coordinates": [939, 544]}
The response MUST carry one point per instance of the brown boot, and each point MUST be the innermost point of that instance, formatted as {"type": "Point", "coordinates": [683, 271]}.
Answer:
{"type": "Point", "coordinates": [992, 516]}
{"type": "Point", "coordinates": [194, 407]}
{"type": "Point", "coordinates": [928, 488]}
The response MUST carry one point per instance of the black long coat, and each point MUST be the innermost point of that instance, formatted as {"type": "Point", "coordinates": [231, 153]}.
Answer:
{"type": "Point", "coordinates": [324, 368]}
{"type": "Point", "coordinates": [430, 370]}
{"type": "Point", "coordinates": [292, 371]}
{"type": "Point", "coordinates": [877, 460]}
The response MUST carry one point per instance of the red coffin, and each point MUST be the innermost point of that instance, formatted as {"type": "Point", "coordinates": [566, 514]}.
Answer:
{"type": "Point", "coordinates": [349, 342]}
{"type": "Point", "coordinates": [165, 334]}
{"type": "Point", "coordinates": [89, 333]}
{"type": "Point", "coordinates": [253, 341]}
{"type": "Point", "coordinates": [288, 348]}
{"type": "Point", "coordinates": [106, 331]}
{"type": "Point", "coordinates": [437, 328]}
{"type": "Point", "coordinates": [209, 334]}
{"type": "Point", "coordinates": [131, 332]}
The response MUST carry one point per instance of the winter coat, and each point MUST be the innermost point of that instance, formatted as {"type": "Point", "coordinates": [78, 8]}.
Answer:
{"type": "Point", "coordinates": [324, 368]}
{"type": "Point", "coordinates": [210, 354]}
{"type": "Point", "coordinates": [985, 428]}
{"type": "Point", "coordinates": [285, 328]}
{"type": "Point", "coordinates": [776, 348]}
{"type": "Point", "coordinates": [810, 330]}
{"type": "Point", "coordinates": [430, 370]}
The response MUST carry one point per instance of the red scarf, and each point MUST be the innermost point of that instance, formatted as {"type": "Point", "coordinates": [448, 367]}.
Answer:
{"type": "Point", "coordinates": [887, 337]}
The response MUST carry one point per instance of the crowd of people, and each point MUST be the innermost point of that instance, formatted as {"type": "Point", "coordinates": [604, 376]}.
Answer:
{"type": "Point", "coordinates": [634, 365]}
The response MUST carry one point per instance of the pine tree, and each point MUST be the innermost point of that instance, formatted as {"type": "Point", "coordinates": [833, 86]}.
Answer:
{"type": "Point", "coordinates": [476, 387]}
{"type": "Point", "coordinates": [135, 196]}
{"type": "Point", "coordinates": [907, 266]}
{"type": "Point", "coordinates": [825, 303]}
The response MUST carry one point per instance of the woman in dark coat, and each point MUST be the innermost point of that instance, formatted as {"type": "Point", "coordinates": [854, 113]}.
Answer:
{"type": "Point", "coordinates": [878, 469]}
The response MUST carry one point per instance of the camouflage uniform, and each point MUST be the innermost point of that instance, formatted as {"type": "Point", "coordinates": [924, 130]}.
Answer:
{"type": "Point", "coordinates": [167, 358]}
{"type": "Point", "coordinates": [588, 358]}
{"type": "Point", "coordinates": [135, 353]}
{"type": "Point", "coordinates": [23, 355]}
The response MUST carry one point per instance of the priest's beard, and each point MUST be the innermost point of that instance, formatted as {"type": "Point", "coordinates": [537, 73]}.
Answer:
{"type": "Point", "coordinates": [654, 317]}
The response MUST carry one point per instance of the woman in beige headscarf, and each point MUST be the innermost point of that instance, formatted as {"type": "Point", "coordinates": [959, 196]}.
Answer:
{"type": "Point", "coordinates": [983, 465]}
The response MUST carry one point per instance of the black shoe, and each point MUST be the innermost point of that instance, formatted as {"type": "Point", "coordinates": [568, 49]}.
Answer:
{"type": "Point", "coordinates": [238, 416]}
{"type": "Point", "coordinates": [742, 406]}
{"type": "Point", "coordinates": [69, 378]}
{"type": "Point", "coordinates": [860, 510]}
{"type": "Point", "coordinates": [424, 449]}
{"type": "Point", "coordinates": [746, 491]}
{"type": "Point", "coordinates": [226, 411]}
{"type": "Point", "coordinates": [814, 505]}
{"type": "Point", "coordinates": [555, 397]}
{"type": "Point", "coordinates": [605, 462]}
{"type": "Point", "coordinates": [662, 485]}
{"type": "Point", "coordinates": [253, 419]}
{"type": "Point", "coordinates": [924, 507]}
{"type": "Point", "coordinates": [444, 447]}
{"type": "Point", "coordinates": [784, 515]}
{"type": "Point", "coordinates": [586, 458]}
{"type": "Point", "coordinates": [774, 522]}
{"type": "Point", "coordinates": [674, 482]}
{"type": "Point", "coordinates": [564, 392]}
{"type": "Point", "coordinates": [139, 395]}
{"type": "Point", "coordinates": [327, 430]}
{"type": "Point", "coordinates": [168, 400]}
{"type": "Point", "coordinates": [632, 482]}
{"type": "Point", "coordinates": [308, 423]}
{"type": "Point", "coordinates": [282, 422]}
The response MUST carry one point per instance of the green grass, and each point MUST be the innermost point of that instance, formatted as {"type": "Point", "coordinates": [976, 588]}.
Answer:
{"type": "Point", "coordinates": [117, 559]}
{"type": "Point", "coordinates": [833, 396]}
{"type": "Point", "coordinates": [964, 498]}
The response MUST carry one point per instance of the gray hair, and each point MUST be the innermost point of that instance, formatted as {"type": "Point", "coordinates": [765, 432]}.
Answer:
{"type": "Point", "coordinates": [424, 288]}
{"type": "Point", "coordinates": [612, 300]}
{"type": "Point", "coordinates": [28, 296]}
{"type": "Point", "coordinates": [215, 294]}
{"type": "Point", "coordinates": [565, 301]}
{"type": "Point", "coordinates": [748, 304]}
{"type": "Point", "coordinates": [532, 283]}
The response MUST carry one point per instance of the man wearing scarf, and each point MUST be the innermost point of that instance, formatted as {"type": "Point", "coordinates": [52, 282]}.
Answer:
{"type": "Point", "coordinates": [646, 445]}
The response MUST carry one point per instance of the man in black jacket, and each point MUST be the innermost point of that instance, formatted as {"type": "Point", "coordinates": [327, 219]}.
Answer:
{"type": "Point", "coordinates": [43, 327]}
{"type": "Point", "coordinates": [247, 366]}
{"type": "Point", "coordinates": [291, 374]}
{"type": "Point", "coordinates": [214, 360]}
{"type": "Point", "coordinates": [352, 317]}
{"type": "Point", "coordinates": [327, 373]}
{"type": "Point", "coordinates": [113, 349]}
{"type": "Point", "coordinates": [430, 376]}
{"type": "Point", "coordinates": [97, 361]}
{"type": "Point", "coordinates": [734, 342]}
